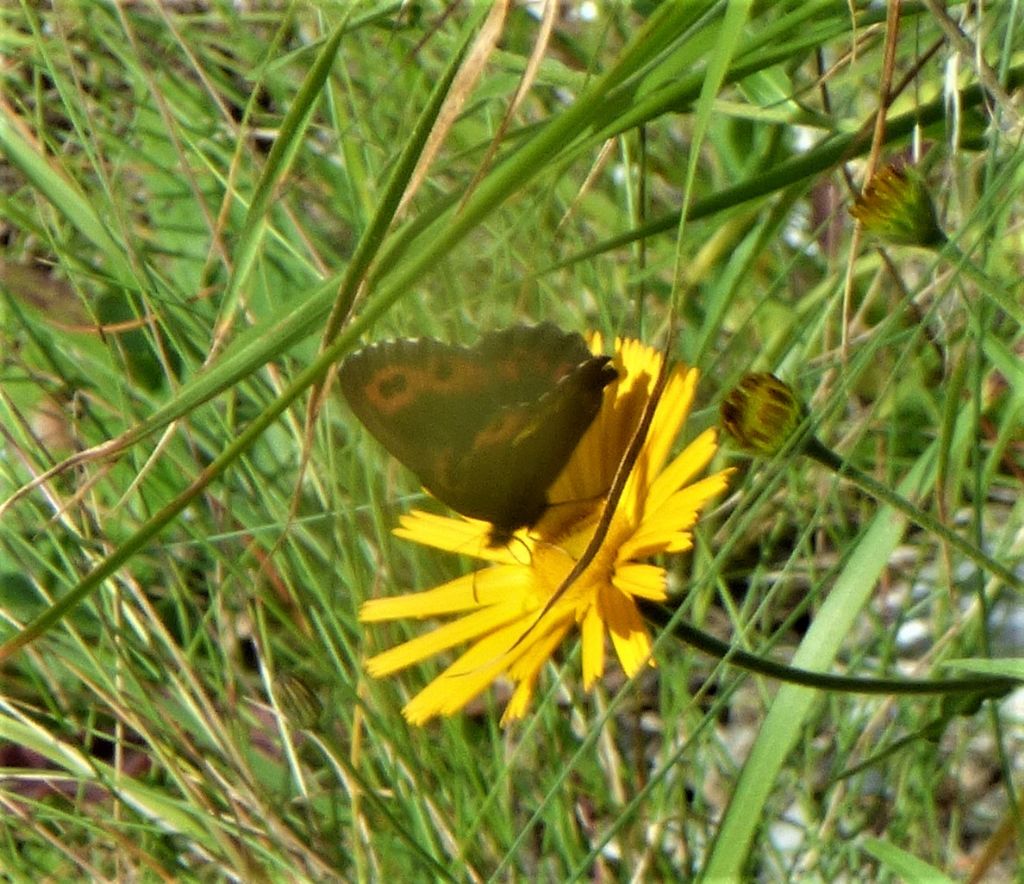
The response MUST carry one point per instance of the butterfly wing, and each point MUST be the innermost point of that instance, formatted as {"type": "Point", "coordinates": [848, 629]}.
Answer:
{"type": "Point", "coordinates": [486, 429]}
{"type": "Point", "coordinates": [507, 469]}
{"type": "Point", "coordinates": [525, 362]}
{"type": "Point", "coordinates": [419, 398]}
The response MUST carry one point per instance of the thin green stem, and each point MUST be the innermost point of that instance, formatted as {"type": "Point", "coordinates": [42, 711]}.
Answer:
{"type": "Point", "coordinates": [816, 451]}
{"type": "Point", "coordinates": [661, 616]}
{"type": "Point", "coordinates": [998, 291]}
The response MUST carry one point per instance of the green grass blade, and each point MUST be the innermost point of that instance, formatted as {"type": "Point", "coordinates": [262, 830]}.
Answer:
{"type": "Point", "coordinates": [782, 727]}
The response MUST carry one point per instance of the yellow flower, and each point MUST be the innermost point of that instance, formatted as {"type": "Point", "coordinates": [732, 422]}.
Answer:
{"type": "Point", "coordinates": [498, 609]}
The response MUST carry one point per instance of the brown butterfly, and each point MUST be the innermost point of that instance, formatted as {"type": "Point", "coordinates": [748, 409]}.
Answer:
{"type": "Point", "coordinates": [487, 428]}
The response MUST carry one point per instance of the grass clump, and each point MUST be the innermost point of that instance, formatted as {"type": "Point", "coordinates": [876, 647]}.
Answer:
{"type": "Point", "coordinates": [206, 206]}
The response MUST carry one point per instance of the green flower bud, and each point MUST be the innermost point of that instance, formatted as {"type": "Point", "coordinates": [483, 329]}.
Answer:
{"type": "Point", "coordinates": [761, 413]}
{"type": "Point", "coordinates": [896, 207]}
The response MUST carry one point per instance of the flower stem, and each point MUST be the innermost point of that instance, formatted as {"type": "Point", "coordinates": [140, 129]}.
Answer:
{"type": "Point", "coordinates": [814, 449]}
{"type": "Point", "coordinates": [992, 686]}
{"type": "Point", "coordinates": [1007, 300]}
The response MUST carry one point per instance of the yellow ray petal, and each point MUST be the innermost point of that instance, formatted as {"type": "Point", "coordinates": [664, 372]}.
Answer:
{"type": "Point", "coordinates": [592, 635]}
{"type": "Point", "coordinates": [528, 667]}
{"type": "Point", "coordinates": [665, 528]}
{"type": "Point", "coordinates": [449, 693]}
{"type": "Point", "coordinates": [690, 461]}
{"type": "Point", "coordinates": [441, 639]}
{"type": "Point", "coordinates": [629, 635]}
{"type": "Point", "coordinates": [641, 580]}
{"type": "Point", "coordinates": [673, 410]}
{"type": "Point", "coordinates": [468, 537]}
{"type": "Point", "coordinates": [479, 589]}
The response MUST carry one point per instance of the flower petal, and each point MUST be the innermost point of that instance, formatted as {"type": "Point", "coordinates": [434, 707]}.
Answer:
{"type": "Point", "coordinates": [444, 637]}
{"type": "Point", "coordinates": [629, 635]}
{"type": "Point", "coordinates": [526, 675]}
{"type": "Point", "coordinates": [690, 461]}
{"type": "Point", "coordinates": [449, 693]}
{"type": "Point", "coordinates": [469, 537]}
{"type": "Point", "coordinates": [641, 581]}
{"type": "Point", "coordinates": [673, 409]}
{"type": "Point", "coordinates": [592, 635]}
{"type": "Point", "coordinates": [476, 590]}
{"type": "Point", "coordinates": [661, 529]}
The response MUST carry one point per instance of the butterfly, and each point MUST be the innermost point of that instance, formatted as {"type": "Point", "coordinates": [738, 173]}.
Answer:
{"type": "Point", "coordinates": [486, 428]}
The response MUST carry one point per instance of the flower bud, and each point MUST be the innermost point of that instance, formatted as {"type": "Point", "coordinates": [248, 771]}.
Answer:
{"type": "Point", "coordinates": [761, 413]}
{"type": "Point", "coordinates": [896, 207]}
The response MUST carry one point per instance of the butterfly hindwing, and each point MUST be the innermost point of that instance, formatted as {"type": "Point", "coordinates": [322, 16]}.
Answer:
{"type": "Point", "coordinates": [403, 391]}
